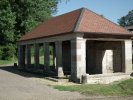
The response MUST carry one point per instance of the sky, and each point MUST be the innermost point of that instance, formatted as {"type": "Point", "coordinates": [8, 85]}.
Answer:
{"type": "Point", "coordinates": [111, 9]}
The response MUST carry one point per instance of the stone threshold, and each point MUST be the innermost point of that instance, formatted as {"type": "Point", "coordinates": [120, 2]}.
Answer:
{"type": "Point", "coordinates": [104, 78]}
{"type": "Point", "coordinates": [57, 79]}
{"type": "Point", "coordinates": [108, 74]}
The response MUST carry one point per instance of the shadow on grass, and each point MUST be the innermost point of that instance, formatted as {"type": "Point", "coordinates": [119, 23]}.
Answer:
{"type": "Point", "coordinates": [23, 73]}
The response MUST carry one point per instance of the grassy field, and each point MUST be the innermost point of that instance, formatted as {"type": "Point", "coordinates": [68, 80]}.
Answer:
{"type": "Point", "coordinates": [41, 61]}
{"type": "Point", "coordinates": [41, 54]}
{"type": "Point", "coordinates": [6, 62]}
{"type": "Point", "coordinates": [124, 88]}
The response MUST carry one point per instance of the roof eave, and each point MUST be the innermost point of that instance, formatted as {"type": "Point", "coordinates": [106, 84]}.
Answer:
{"type": "Point", "coordinates": [107, 35]}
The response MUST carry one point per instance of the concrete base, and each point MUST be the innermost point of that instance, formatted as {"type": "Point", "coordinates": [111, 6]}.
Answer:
{"type": "Point", "coordinates": [104, 78]}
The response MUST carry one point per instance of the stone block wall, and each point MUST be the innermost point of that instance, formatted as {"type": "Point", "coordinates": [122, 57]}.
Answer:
{"type": "Point", "coordinates": [78, 59]}
{"type": "Point", "coordinates": [127, 56]}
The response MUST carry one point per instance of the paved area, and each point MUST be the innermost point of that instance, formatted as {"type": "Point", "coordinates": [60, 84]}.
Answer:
{"type": "Point", "coordinates": [15, 85]}
{"type": "Point", "coordinates": [18, 86]}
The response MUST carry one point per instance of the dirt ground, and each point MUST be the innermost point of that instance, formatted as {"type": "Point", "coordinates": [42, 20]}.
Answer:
{"type": "Point", "coordinates": [16, 85]}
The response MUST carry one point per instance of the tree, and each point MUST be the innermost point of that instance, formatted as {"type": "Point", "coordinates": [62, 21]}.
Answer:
{"type": "Point", "coordinates": [126, 20]}
{"type": "Point", "coordinates": [18, 17]}
{"type": "Point", "coordinates": [7, 23]}
{"type": "Point", "coordinates": [30, 13]}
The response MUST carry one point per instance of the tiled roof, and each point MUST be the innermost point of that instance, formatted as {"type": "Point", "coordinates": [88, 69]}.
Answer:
{"type": "Point", "coordinates": [81, 20]}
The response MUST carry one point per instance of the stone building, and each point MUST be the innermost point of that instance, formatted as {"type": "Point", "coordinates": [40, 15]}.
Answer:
{"type": "Point", "coordinates": [130, 28]}
{"type": "Point", "coordinates": [86, 47]}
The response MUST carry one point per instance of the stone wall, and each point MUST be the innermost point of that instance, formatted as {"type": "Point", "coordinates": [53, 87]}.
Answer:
{"type": "Point", "coordinates": [127, 56]}
{"type": "Point", "coordinates": [78, 59]}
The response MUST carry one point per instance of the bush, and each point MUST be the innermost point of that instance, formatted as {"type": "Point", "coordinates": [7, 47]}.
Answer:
{"type": "Point", "coordinates": [7, 52]}
{"type": "Point", "coordinates": [1, 52]}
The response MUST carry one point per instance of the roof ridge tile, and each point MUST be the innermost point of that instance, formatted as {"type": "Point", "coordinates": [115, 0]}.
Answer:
{"type": "Point", "coordinates": [79, 20]}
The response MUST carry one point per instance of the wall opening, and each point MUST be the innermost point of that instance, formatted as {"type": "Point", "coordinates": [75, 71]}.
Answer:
{"type": "Point", "coordinates": [66, 57]}
{"type": "Point", "coordinates": [103, 57]}
{"type": "Point", "coordinates": [41, 54]}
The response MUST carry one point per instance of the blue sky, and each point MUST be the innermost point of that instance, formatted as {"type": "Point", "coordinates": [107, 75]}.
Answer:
{"type": "Point", "coordinates": [111, 9]}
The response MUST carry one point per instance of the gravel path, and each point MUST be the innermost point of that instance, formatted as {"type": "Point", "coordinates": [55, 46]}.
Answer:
{"type": "Point", "coordinates": [18, 87]}
{"type": "Point", "coordinates": [15, 85]}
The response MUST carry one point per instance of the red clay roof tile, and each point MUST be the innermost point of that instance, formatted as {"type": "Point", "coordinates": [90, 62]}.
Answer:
{"type": "Point", "coordinates": [94, 23]}
{"type": "Point", "coordinates": [81, 20]}
{"type": "Point", "coordinates": [58, 25]}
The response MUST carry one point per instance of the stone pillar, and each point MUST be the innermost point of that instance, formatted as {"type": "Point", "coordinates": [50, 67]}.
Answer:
{"type": "Point", "coordinates": [127, 56]}
{"type": "Point", "coordinates": [107, 62]}
{"type": "Point", "coordinates": [54, 56]}
{"type": "Point", "coordinates": [36, 55]}
{"type": "Point", "coordinates": [46, 56]}
{"type": "Point", "coordinates": [78, 59]}
{"type": "Point", "coordinates": [28, 54]}
{"type": "Point", "coordinates": [59, 64]}
{"type": "Point", "coordinates": [21, 56]}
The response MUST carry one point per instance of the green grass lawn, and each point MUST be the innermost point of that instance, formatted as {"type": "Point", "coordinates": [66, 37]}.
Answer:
{"type": "Point", "coordinates": [124, 88]}
{"type": "Point", "coordinates": [6, 62]}
{"type": "Point", "coordinates": [41, 54]}
{"type": "Point", "coordinates": [41, 60]}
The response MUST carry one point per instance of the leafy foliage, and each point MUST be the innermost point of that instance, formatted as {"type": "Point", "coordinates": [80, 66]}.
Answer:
{"type": "Point", "coordinates": [7, 21]}
{"type": "Point", "coordinates": [30, 13]}
{"type": "Point", "coordinates": [126, 20]}
{"type": "Point", "coordinates": [6, 52]}
{"type": "Point", "coordinates": [19, 17]}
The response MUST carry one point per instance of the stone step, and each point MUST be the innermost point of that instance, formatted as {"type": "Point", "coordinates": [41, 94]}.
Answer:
{"type": "Point", "coordinates": [104, 79]}
{"type": "Point", "coordinates": [57, 80]}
